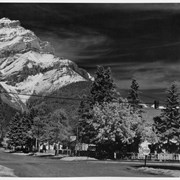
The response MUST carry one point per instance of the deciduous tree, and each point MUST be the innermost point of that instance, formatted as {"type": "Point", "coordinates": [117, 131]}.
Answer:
{"type": "Point", "coordinates": [57, 128]}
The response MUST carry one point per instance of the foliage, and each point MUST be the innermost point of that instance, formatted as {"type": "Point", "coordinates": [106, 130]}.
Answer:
{"type": "Point", "coordinates": [42, 109]}
{"type": "Point", "coordinates": [113, 127]}
{"type": "Point", "coordinates": [86, 131]}
{"type": "Point", "coordinates": [39, 116]}
{"type": "Point", "coordinates": [2, 126]}
{"type": "Point", "coordinates": [114, 122]}
{"type": "Point", "coordinates": [49, 126]}
{"type": "Point", "coordinates": [107, 120]}
{"type": "Point", "coordinates": [133, 96]}
{"type": "Point", "coordinates": [144, 129]}
{"type": "Point", "coordinates": [39, 124]}
{"type": "Point", "coordinates": [102, 90]}
{"type": "Point", "coordinates": [57, 129]}
{"type": "Point", "coordinates": [73, 90]}
{"type": "Point", "coordinates": [37, 130]}
{"type": "Point", "coordinates": [146, 132]}
{"type": "Point", "coordinates": [103, 87]}
{"type": "Point", "coordinates": [6, 114]}
{"type": "Point", "coordinates": [167, 126]}
{"type": "Point", "coordinates": [18, 130]}
{"type": "Point", "coordinates": [14, 131]}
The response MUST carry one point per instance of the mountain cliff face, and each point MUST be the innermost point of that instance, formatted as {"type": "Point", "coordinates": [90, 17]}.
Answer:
{"type": "Point", "coordinates": [29, 66]}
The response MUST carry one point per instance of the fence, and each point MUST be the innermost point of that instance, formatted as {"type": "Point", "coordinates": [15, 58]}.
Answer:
{"type": "Point", "coordinates": [169, 157]}
{"type": "Point", "coordinates": [151, 156]}
{"type": "Point", "coordinates": [125, 156]}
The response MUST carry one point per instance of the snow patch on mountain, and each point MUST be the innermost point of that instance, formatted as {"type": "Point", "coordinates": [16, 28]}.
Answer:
{"type": "Point", "coordinates": [29, 66]}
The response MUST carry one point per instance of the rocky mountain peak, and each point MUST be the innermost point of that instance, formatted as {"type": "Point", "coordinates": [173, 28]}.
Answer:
{"type": "Point", "coordinates": [5, 22]}
{"type": "Point", "coordinates": [16, 39]}
{"type": "Point", "coordinates": [29, 66]}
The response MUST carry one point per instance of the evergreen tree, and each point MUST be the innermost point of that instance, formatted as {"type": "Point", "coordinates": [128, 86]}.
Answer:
{"type": "Point", "coordinates": [134, 100]}
{"type": "Point", "coordinates": [2, 126]}
{"type": "Point", "coordinates": [6, 113]}
{"type": "Point", "coordinates": [103, 87]}
{"type": "Point", "coordinates": [167, 126]}
{"type": "Point", "coordinates": [17, 131]}
{"type": "Point", "coordinates": [133, 96]}
{"type": "Point", "coordinates": [102, 90]}
{"type": "Point", "coordinates": [20, 131]}
{"type": "Point", "coordinates": [27, 123]}
{"type": "Point", "coordinates": [85, 130]}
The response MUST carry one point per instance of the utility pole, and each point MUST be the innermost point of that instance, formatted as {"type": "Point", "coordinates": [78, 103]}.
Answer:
{"type": "Point", "coordinates": [37, 137]}
{"type": "Point", "coordinates": [145, 160]}
{"type": "Point", "coordinates": [77, 141]}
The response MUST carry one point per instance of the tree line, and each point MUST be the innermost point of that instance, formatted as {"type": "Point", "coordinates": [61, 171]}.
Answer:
{"type": "Point", "coordinates": [29, 129]}
{"type": "Point", "coordinates": [104, 118]}
{"type": "Point", "coordinates": [115, 124]}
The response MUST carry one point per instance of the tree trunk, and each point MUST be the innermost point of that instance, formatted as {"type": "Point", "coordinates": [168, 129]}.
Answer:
{"type": "Point", "coordinates": [36, 145]}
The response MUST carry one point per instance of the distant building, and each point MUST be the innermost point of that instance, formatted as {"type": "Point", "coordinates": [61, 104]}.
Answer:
{"type": "Point", "coordinates": [142, 105]}
{"type": "Point", "coordinates": [160, 107]}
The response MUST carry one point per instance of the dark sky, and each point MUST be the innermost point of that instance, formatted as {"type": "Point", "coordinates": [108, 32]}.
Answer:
{"type": "Point", "coordinates": [140, 41]}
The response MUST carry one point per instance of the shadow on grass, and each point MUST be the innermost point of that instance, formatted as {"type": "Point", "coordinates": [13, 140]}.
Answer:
{"type": "Point", "coordinates": [14, 151]}
{"type": "Point", "coordinates": [50, 156]}
{"type": "Point", "coordinates": [159, 167]}
{"type": "Point", "coordinates": [44, 155]}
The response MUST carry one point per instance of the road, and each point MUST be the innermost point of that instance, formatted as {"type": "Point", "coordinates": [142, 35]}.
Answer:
{"type": "Point", "coordinates": [28, 166]}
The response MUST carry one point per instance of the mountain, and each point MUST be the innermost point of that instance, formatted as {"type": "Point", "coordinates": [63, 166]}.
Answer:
{"type": "Point", "coordinates": [29, 67]}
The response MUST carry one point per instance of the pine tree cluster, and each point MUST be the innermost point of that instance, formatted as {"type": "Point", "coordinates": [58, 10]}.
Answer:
{"type": "Point", "coordinates": [36, 127]}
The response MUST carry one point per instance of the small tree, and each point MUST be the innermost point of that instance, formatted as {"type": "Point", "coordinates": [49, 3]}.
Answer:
{"type": "Point", "coordinates": [133, 96]}
{"type": "Point", "coordinates": [167, 126]}
{"type": "Point", "coordinates": [133, 99]}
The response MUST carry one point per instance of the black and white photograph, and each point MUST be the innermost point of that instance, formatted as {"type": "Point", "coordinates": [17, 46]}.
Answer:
{"type": "Point", "coordinates": [89, 89]}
